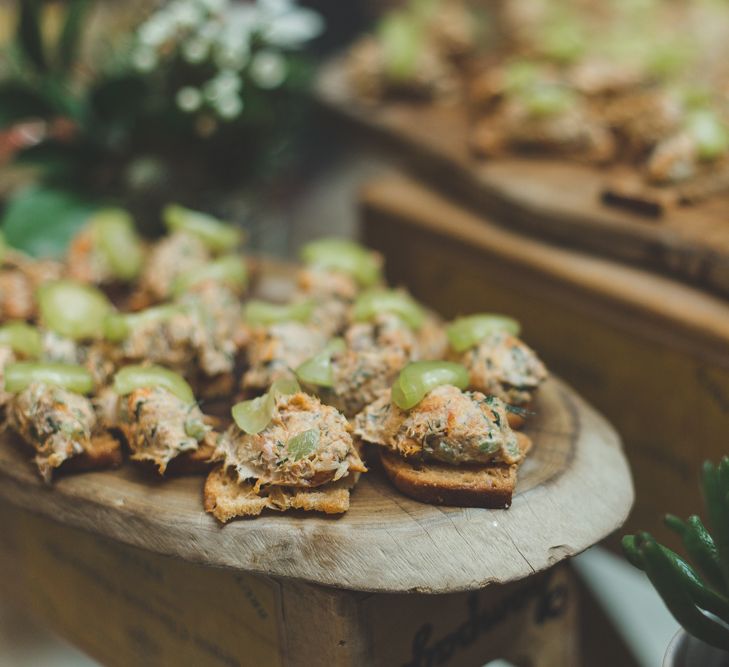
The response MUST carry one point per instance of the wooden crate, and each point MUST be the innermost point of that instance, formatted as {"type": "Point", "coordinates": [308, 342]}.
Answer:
{"type": "Point", "coordinates": [127, 606]}
{"type": "Point", "coordinates": [650, 352]}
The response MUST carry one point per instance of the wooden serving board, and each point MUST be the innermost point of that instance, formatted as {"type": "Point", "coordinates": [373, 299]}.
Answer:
{"type": "Point", "coordinates": [386, 542]}
{"type": "Point", "coordinates": [552, 199]}
{"type": "Point", "coordinates": [574, 489]}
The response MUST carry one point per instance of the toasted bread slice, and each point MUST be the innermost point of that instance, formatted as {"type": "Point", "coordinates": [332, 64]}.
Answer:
{"type": "Point", "coordinates": [105, 451]}
{"type": "Point", "coordinates": [490, 486]}
{"type": "Point", "coordinates": [226, 498]}
{"type": "Point", "coordinates": [194, 462]}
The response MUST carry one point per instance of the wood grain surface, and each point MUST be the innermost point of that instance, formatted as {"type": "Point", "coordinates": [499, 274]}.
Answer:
{"type": "Point", "coordinates": [552, 199]}
{"type": "Point", "coordinates": [127, 606]}
{"type": "Point", "coordinates": [574, 489]}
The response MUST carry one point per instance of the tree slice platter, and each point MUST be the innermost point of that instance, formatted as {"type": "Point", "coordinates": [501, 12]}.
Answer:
{"type": "Point", "coordinates": [574, 489]}
{"type": "Point", "coordinates": [557, 200]}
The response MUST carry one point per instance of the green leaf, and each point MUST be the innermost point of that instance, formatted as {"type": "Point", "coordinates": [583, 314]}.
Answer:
{"type": "Point", "coordinates": [303, 444]}
{"type": "Point", "coordinates": [70, 39]}
{"type": "Point", "coordinates": [42, 221]}
{"type": "Point", "coordinates": [19, 102]}
{"type": "Point", "coordinates": [29, 33]}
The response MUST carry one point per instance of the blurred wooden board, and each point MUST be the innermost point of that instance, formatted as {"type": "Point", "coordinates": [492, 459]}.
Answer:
{"type": "Point", "coordinates": [386, 542]}
{"type": "Point", "coordinates": [651, 352]}
{"type": "Point", "coordinates": [556, 200]}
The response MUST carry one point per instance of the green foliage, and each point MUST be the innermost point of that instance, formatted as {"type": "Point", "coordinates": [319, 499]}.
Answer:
{"type": "Point", "coordinates": [41, 221]}
{"type": "Point", "coordinates": [119, 133]}
{"type": "Point", "coordinates": [19, 101]}
{"type": "Point", "coordinates": [697, 598]}
{"type": "Point", "coordinates": [29, 34]}
{"type": "Point", "coordinates": [69, 41]}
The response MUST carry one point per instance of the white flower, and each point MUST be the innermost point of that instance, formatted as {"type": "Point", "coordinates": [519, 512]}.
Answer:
{"type": "Point", "coordinates": [188, 99]}
{"type": "Point", "coordinates": [229, 106]}
{"type": "Point", "coordinates": [156, 30]}
{"type": "Point", "coordinates": [241, 19]}
{"type": "Point", "coordinates": [144, 59]}
{"type": "Point", "coordinates": [292, 29]}
{"type": "Point", "coordinates": [210, 30]}
{"type": "Point", "coordinates": [214, 6]}
{"type": "Point", "coordinates": [232, 57]}
{"type": "Point", "coordinates": [273, 7]}
{"type": "Point", "coordinates": [185, 14]}
{"type": "Point", "coordinates": [268, 68]}
{"type": "Point", "coordinates": [225, 84]}
{"type": "Point", "coordinates": [227, 81]}
{"type": "Point", "coordinates": [281, 22]}
{"type": "Point", "coordinates": [195, 50]}
{"type": "Point", "coordinates": [233, 46]}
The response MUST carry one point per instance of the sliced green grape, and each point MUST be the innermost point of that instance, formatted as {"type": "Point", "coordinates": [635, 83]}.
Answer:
{"type": "Point", "coordinates": [284, 386]}
{"type": "Point", "coordinates": [419, 378]}
{"type": "Point", "coordinates": [72, 309]}
{"type": "Point", "coordinates": [118, 326]}
{"type": "Point", "coordinates": [466, 332]}
{"type": "Point", "coordinates": [709, 132]}
{"type": "Point", "coordinates": [22, 338]}
{"type": "Point", "coordinates": [544, 100]}
{"type": "Point", "coordinates": [318, 369]}
{"type": "Point", "coordinates": [666, 59]}
{"type": "Point", "coordinates": [254, 415]}
{"type": "Point", "coordinates": [131, 378]}
{"type": "Point", "coordinates": [519, 75]}
{"type": "Point", "coordinates": [75, 378]}
{"type": "Point", "coordinates": [116, 237]}
{"type": "Point", "coordinates": [263, 313]}
{"type": "Point", "coordinates": [401, 36]}
{"type": "Point", "coordinates": [372, 302]}
{"type": "Point", "coordinates": [218, 236]}
{"type": "Point", "coordinates": [345, 256]}
{"type": "Point", "coordinates": [563, 40]}
{"type": "Point", "coordinates": [229, 270]}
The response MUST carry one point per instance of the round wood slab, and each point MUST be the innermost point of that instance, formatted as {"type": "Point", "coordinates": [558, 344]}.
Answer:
{"type": "Point", "coordinates": [574, 489]}
{"type": "Point", "coordinates": [553, 199]}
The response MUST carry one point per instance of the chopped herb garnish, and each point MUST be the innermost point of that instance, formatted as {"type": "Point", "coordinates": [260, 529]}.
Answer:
{"type": "Point", "coordinates": [518, 410]}
{"type": "Point", "coordinates": [488, 447]}
{"type": "Point", "coordinates": [303, 444]}
{"type": "Point", "coordinates": [196, 429]}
